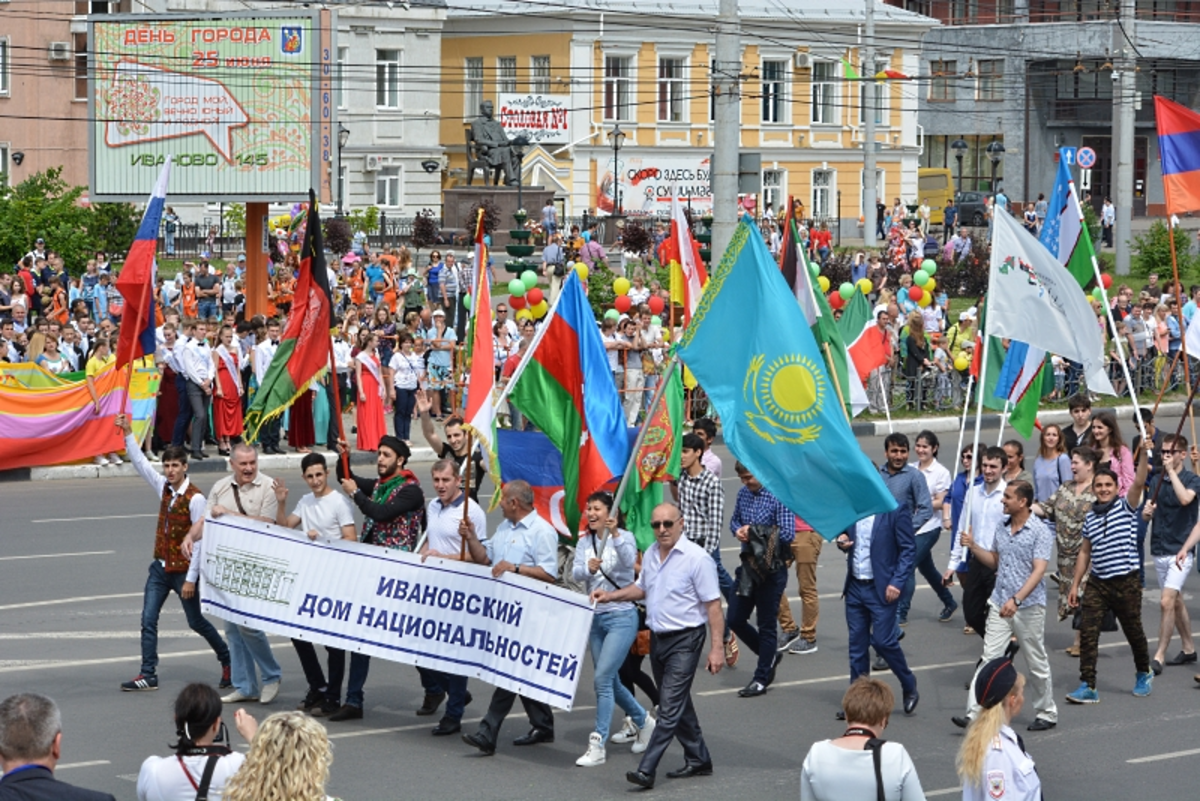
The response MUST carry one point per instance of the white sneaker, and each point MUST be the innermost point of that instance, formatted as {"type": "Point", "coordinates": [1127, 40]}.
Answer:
{"type": "Point", "coordinates": [627, 734]}
{"type": "Point", "coordinates": [100, 460]}
{"type": "Point", "coordinates": [269, 692]}
{"type": "Point", "coordinates": [237, 697]}
{"type": "Point", "coordinates": [595, 754]}
{"type": "Point", "coordinates": [643, 737]}
{"type": "Point", "coordinates": [112, 457]}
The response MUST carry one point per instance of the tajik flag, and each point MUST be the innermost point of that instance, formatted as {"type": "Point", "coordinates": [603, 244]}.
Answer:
{"type": "Point", "coordinates": [481, 408]}
{"type": "Point", "coordinates": [1033, 298]}
{"type": "Point", "coordinates": [867, 345]}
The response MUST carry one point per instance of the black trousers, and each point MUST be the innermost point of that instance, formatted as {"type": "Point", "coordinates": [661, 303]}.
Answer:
{"type": "Point", "coordinates": [978, 583]}
{"type": "Point", "coordinates": [342, 387]}
{"type": "Point", "coordinates": [268, 435]}
{"type": "Point", "coordinates": [541, 716]}
{"type": "Point", "coordinates": [197, 401]}
{"type": "Point", "coordinates": [673, 659]}
{"type": "Point", "coordinates": [315, 676]}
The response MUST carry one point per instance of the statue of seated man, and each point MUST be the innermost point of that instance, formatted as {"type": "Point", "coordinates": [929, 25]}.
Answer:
{"type": "Point", "coordinates": [492, 143]}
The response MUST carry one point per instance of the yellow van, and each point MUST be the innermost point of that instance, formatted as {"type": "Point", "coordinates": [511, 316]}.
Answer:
{"type": "Point", "coordinates": [936, 184]}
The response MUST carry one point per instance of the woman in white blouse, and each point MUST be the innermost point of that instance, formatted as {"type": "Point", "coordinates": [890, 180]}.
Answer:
{"type": "Point", "coordinates": [408, 370]}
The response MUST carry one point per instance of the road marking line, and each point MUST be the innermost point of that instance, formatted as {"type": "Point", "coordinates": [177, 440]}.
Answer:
{"type": "Point", "coordinates": [1160, 757]}
{"type": "Point", "coordinates": [82, 519]}
{"type": "Point", "coordinates": [944, 791]}
{"type": "Point", "coordinates": [76, 600]}
{"type": "Point", "coordinates": [112, 660]}
{"type": "Point", "coordinates": [61, 766]}
{"type": "Point", "coordinates": [839, 677]}
{"type": "Point", "coordinates": [420, 726]}
{"type": "Point", "coordinates": [56, 555]}
{"type": "Point", "coordinates": [91, 635]}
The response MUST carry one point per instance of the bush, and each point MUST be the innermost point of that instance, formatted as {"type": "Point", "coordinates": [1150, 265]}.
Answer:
{"type": "Point", "coordinates": [424, 230]}
{"type": "Point", "coordinates": [491, 217]}
{"type": "Point", "coordinates": [113, 226]}
{"type": "Point", "coordinates": [1154, 251]}
{"type": "Point", "coordinates": [338, 236]}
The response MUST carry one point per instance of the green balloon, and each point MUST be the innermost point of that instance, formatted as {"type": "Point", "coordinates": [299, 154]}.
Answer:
{"type": "Point", "coordinates": [929, 266]}
{"type": "Point", "coordinates": [846, 290]}
{"type": "Point", "coordinates": [612, 314]}
{"type": "Point", "coordinates": [1098, 295]}
{"type": "Point", "coordinates": [529, 279]}
{"type": "Point", "coordinates": [814, 268]}
{"type": "Point", "coordinates": [656, 320]}
{"type": "Point", "coordinates": [921, 278]}
{"type": "Point", "coordinates": [516, 288]}
{"type": "Point", "coordinates": [467, 301]}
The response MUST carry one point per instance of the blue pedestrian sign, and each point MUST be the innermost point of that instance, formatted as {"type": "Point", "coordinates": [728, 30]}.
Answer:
{"type": "Point", "coordinates": [1086, 157]}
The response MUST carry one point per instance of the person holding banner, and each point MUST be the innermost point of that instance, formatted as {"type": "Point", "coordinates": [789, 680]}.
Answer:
{"type": "Point", "coordinates": [528, 546]}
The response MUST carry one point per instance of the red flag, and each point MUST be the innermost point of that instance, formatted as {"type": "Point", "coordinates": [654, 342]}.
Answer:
{"type": "Point", "coordinates": [136, 280]}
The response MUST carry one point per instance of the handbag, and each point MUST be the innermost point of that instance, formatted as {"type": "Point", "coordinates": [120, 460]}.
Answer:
{"type": "Point", "coordinates": [1107, 624]}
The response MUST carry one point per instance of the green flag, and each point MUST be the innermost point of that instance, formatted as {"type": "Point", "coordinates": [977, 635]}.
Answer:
{"type": "Point", "coordinates": [657, 458]}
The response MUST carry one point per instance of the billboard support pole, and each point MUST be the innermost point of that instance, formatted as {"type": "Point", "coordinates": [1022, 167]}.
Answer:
{"type": "Point", "coordinates": [256, 260]}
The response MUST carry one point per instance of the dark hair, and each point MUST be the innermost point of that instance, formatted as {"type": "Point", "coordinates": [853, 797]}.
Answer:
{"type": "Point", "coordinates": [453, 420]}
{"type": "Point", "coordinates": [197, 708]}
{"type": "Point", "coordinates": [692, 442]}
{"type": "Point", "coordinates": [931, 440]}
{"type": "Point", "coordinates": [995, 453]}
{"type": "Point", "coordinates": [707, 425]}
{"type": "Point", "coordinates": [1176, 439]}
{"type": "Point", "coordinates": [600, 496]}
{"type": "Point", "coordinates": [1146, 413]}
{"type": "Point", "coordinates": [1020, 451]}
{"type": "Point", "coordinates": [175, 453]}
{"type": "Point", "coordinates": [896, 438]}
{"type": "Point", "coordinates": [1105, 471]}
{"type": "Point", "coordinates": [1087, 454]}
{"type": "Point", "coordinates": [741, 469]}
{"type": "Point", "coordinates": [1023, 489]}
{"type": "Point", "coordinates": [1079, 400]}
{"type": "Point", "coordinates": [1109, 419]}
{"type": "Point", "coordinates": [311, 459]}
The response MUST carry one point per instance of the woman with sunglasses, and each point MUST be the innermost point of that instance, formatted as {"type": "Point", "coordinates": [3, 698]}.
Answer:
{"type": "Point", "coordinates": [433, 279]}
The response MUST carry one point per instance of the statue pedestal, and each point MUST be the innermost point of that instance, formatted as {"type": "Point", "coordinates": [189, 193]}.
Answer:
{"type": "Point", "coordinates": [458, 200]}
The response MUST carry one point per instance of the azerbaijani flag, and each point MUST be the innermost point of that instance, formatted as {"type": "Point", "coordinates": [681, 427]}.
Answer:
{"type": "Point", "coordinates": [136, 279]}
{"type": "Point", "coordinates": [567, 391]}
{"type": "Point", "coordinates": [481, 409]}
{"type": "Point", "coordinates": [867, 345]}
{"type": "Point", "coordinates": [1179, 149]}
{"type": "Point", "coordinates": [303, 353]}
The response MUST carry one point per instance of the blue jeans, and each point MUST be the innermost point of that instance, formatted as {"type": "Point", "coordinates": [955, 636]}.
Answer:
{"type": "Point", "coordinates": [359, 665]}
{"type": "Point", "coordinates": [871, 622]}
{"type": "Point", "coordinates": [249, 647]}
{"type": "Point", "coordinates": [612, 634]}
{"type": "Point", "coordinates": [206, 309]}
{"type": "Point", "coordinates": [160, 584]}
{"type": "Point", "coordinates": [764, 601]}
{"type": "Point", "coordinates": [452, 685]}
{"type": "Point", "coordinates": [406, 399]}
{"type": "Point", "coordinates": [724, 580]}
{"type": "Point", "coordinates": [924, 563]}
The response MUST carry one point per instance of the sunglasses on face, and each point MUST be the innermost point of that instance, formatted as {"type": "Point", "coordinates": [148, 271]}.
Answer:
{"type": "Point", "coordinates": [662, 524]}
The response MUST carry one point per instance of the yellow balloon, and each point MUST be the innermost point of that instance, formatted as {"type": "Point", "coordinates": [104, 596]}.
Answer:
{"type": "Point", "coordinates": [930, 285]}
{"type": "Point", "coordinates": [925, 300]}
{"type": "Point", "coordinates": [539, 311]}
{"type": "Point", "coordinates": [524, 314]}
{"type": "Point", "coordinates": [582, 270]}
{"type": "Point", "coordinates": [962, 362]}
{"type": "Point", "coordinates": [621, 286]}
{"type": "Point", "coordinates": [823, 282]}
{"type": "Point", "coordinates": [865, 286]}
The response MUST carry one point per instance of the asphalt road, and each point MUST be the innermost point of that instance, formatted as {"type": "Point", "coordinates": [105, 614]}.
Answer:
{"type": "Point", "coordinates": [72, 567]}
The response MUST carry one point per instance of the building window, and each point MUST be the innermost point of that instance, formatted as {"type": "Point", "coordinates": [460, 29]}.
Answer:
{"type": "Point", "coordinates": [822, 193]}
{"type": "Point", "coordinates": [976, 166]}
{"type": "Point", "coordinates": [773, 183]}
{"type": "Point", "coordinates": [472, 87]}
{"type": "Point", "coordinates": [506, 74]}
{"type": "Point", "coordinates": [876, 93]}
{"type": "Point", "coordinates": [824, 92]}
{"type": "Point", "coordinates": [81, 66]}
{"type": "Point", "coordinates": [539, 75]}
{"type": "Point", "coordinates": [671, 88]}
{"type": "Point", "coordinates": [3, 166]}
{"type": "Point", "coordinates": [774, 91]}
{"type": "Point", "coordinates": [4, 79]}
{"type": "Point", "coordinates": [387, 78]}
{"type": "Point", "coordinates": [618, 79]}
{"type": "Point", "coordinates": [990, 80]}
{"type": "Point", "coordinates": [387, 187]}
{"type": "Point", "coordinates": [343, 60]}
{"type": "Point", "coordinates": [941, 80]}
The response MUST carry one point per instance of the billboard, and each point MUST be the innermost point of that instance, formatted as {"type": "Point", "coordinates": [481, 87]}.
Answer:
{"type": "Point", "coordinates": [647, 182]}
{"type": "Point", "coordinates": [543, 119]}
{"type": "Point", "coordinates": [236, 99]}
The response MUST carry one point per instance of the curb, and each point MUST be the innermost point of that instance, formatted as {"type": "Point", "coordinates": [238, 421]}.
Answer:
{"type": "Point", "coordinates": [288, 463]}
{"type": "Point", "coordinates": [940, 425]}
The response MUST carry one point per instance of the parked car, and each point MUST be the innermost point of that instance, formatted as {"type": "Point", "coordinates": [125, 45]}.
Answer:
{"type": "Point", "coordinates": [972, 207]}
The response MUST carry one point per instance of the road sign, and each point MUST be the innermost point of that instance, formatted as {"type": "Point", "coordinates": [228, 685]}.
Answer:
{"type": "Point", "coordinates": [1085, 179]}
{"type": "Point", "coordinates": [1086, 158]}
{"type": "Point", "coordinates": [1068, 155]}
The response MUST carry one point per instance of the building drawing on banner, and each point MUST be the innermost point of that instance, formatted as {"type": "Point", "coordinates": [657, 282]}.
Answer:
{"type": "Point", "coordinates": [250, 575]}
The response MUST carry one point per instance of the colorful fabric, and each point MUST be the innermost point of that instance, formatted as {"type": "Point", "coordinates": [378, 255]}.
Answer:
{"type": "Point", "coordinates": [1179, 149]}
{"type": "Point", "coordinates": [136, 281]}
{"type": "Point", "coordinates": [866, 344]}
{"type": "Point", "coordinates": [399, 533]}
{"type": "Point", "coordinates": [480, 417]}
{"type": "Point", "coordinates": [680, 251]}
{"type": "Point", "coordinates": [174, 523]}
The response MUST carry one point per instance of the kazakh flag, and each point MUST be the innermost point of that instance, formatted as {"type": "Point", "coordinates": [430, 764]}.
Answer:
{"type": "Point", "coordinates": [754, 354]}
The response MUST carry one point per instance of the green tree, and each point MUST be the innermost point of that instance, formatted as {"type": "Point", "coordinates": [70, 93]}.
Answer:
{"type": "Point", "coordinates": [44, 205]}
{"type": "Point", "coordinates": [364, 220]}
{"type": "Point", "coordinates": [113, 226]}
{"type": "Point", "coordinates": [1153, 250]}
{"type": "Point", "coordinates": [235, 219]}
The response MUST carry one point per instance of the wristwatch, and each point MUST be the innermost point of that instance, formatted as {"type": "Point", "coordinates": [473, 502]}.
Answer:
{"type": "Point", "coordinates": [1016, 601]}
{"type": "Point", "coordinates": [517, 569]}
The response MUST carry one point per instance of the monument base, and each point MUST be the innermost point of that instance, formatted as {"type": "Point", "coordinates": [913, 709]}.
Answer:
{"type": "Point", "coordinates": [458, 200]}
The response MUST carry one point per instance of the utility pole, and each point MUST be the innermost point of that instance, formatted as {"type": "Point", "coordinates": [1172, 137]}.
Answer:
{"type": "Point", "coordinates": [727, 126]}
{"type": "Point", "coordinates": [1124, 94]}
{"type": "Point", "coordinates": [867, 93]}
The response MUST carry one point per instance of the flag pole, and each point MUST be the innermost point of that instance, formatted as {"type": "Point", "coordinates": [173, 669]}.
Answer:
{"type": "Point", "coordinates": [335, 390]}
{"type": "Point", "coordinates": [884, 394]}
{"type": "Point", "coordinates": [537, 339]}
{"type": "Point", "coordinates": [837, 383]}
{"type": "Point", "coordinates": [1178, 431]}
{"type": "Point", "coordinates": [1003, 417]}
{"type": "Point", "coordinates": [962, 429]}
{"type": "Point", "coordinates": [1182, 333]}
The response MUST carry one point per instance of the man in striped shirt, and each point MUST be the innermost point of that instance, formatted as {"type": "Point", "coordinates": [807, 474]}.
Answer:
{"type": "Point", "coordinates": [1110, 551]}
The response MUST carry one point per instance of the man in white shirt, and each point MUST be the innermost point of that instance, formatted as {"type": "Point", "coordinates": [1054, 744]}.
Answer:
{"type": "Point", "coordinates": [193, 358]}
{"type": "Point", "coordinates": [325, 516]}
{"type": "Point", "coordinates": [985, 502]}
{"type": "Point", "coordinates": [264, 352]}
{"type": "Point", "coordinates": [448, 530]}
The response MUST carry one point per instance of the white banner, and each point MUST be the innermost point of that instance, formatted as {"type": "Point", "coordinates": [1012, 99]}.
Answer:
{"type": "Point", "coordinates": [647, 182]}
{"type": "Point", "coordinates": [543, 119]}
{"type": "Point", "coordinates": [524, 635]}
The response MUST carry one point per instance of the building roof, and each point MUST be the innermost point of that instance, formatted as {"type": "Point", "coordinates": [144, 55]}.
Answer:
{"type": "Point", "coordinates": [799, 11]}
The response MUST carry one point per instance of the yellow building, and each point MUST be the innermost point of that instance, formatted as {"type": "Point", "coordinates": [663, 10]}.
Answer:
{"type": "Point", "coordinates": [569, 77]}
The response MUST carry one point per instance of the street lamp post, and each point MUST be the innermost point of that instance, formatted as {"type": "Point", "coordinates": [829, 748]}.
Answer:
{"type": "Point", "coordinates": [617, 137]}
{"type": "Point", "coordinates": [960, 147]}
{"type": "Point", "coordinates": [518, 146]}
{"type": "Point", "coordinates": [343, 136]}
{"type": "Point", "coordinates": [995, 151]}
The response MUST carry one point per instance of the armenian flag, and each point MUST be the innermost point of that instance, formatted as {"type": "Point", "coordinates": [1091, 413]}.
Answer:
{"type": "Point", "coordinates": [1179, 149]}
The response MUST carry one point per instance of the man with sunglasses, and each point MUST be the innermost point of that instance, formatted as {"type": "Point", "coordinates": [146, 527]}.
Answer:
{"type": "Point", "coordinates": [679, 585]}
{"type": "Point", "coordinates": [504, 320]}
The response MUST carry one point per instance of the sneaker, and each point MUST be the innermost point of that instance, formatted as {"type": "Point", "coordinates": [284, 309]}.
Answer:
{"type": "Point", "coordinates": [116, 460]}
{"type": "Point", "coordinates": [237, 697]}
{"type": "Point", "coordinates": [947, 612]}
{"type": "Point", "coordinates": [731, 651]}
{"type": "Point", "coordinates": [226, 679]}
{"type": "Point", "coordinates": [803, 647]}
{"type": "Point", "coordinates": [269, 692]}
{"type": "Point", "coordinates": [643, 737]}
{"type": "Point", "coordinates": [627, 734]}
{"type": "Point", "coordinates": [140, 683]}
{"type": "Point", "coordinates": [595, 754]}
{"type": "Point", "coordinates": [786, 638]}
{"type": "Point", "coordinates": [1084, 695]}
{"type": "Point", "coordinates": [100, 460]}
{"type": "Point", "coordinates": [326, 708]}
{"type": "Point", "coordinates": [1145, 681]}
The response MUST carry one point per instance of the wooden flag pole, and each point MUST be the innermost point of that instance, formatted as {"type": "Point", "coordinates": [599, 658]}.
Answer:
{"type": "Point", "coordinates": [1182, 332]}
{"type": "Point", "coordinates": [1163, 390]}
{"type": "Point", "coordinates": [837, 383]}
{"type": "Point", "coordinates": [462, 549]}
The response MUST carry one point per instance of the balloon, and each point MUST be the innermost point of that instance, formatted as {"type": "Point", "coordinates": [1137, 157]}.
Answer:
{"type": "Point", "coordinates": [823, 282]}
{"type": "Point", "coordinates": [516, 287]}
{"type": "Point", "coordinates": [836, 301]}
{"type": "Point", "coordinates": [1106, 280]}
{"type": "Point", "coordinates": [466, 301]}
{"type": "Point", "coordinates": [846, 290]}
{"type": "Point", "coordinates": [524, 314]}
{"type": "Point", "coordinates": [623, 303]}
{"type": "Point", "coordinates": [534, 296]}
{"type": "Point", "coordinates": [612, 314]}
{"type": "Point", "coordinates": [656, 320]}
{"type": "Point", "coordinates": [865, 286]}
{"type": "Point", "coordinates": [915, 293]}
{"type": "Point", "coordinates": [1098, 295]}
{"type": "Point", "coordinates": [656, 305]}
{"type": "Point", "coordinates": [582, 270]}
{"type": "Point", "coordinates": [962, 362]}
{"type": "Point", "coordinates": [925, 300]}
{"type": "Point", "coordinates": [529, 279]}
{"type": "Point", "coordinates": [814, 268]}
{"type": "Point", "coordinates": [517, 301]}
{"type": "Point", "coordinates": [929, 266]}
{"type": "Point", "coordinates": [621, 286]}
{"type": "Point", "coordinates": [539, 311]}
{"type": "Point", "coordinates": [930, 285]}
{"type": "Point", "coordinates": [920, 278]}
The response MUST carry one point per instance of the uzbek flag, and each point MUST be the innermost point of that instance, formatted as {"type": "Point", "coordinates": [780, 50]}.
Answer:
{"type": "Point", "coordinates": [303, 354]}
{"type": "Point", "coordinates": [136, 280]}
{"type": "Point", "coordinates": [480, 418]}
{"type": "Point", "coordinates": [1179, 149]}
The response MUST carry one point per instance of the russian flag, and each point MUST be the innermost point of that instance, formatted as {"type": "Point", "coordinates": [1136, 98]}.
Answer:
{"type": "Point", "coordinates": [1179, 149]}
{"type": "Point", "coordinates": [136, 280]}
